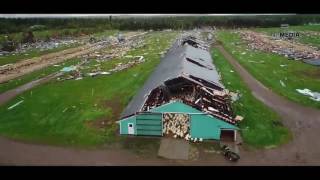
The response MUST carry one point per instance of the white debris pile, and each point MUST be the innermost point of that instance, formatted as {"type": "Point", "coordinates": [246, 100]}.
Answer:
{"type": "Point", "coordinates": [176, 125]}
{"type": "Point", "coordinates": [307, 92]}
{"type": "Point", "coordinates": [42, 45]}
{"type": "Point", "coordinates": [122, 66]}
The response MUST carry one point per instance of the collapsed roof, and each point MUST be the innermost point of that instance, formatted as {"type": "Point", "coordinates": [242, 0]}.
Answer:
{"type": "Point", "coordinates": [187, 58]}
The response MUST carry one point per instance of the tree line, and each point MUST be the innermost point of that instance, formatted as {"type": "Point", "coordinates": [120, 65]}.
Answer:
{"type": "Point", "coordinates": [11, 25]}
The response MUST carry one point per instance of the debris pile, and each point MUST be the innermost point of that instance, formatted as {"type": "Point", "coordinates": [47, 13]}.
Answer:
{"type": "Point", "coordinates": [41, 46]}
{"type": "Point", "coordinates": [20, 68]}
{"type": "Point", "coordinates": [198, 93]}
{"type": "Point", "coordinates": [122, 66]}
{"type": "Point", "coordinates": [307, 92]}
{"type": "Point", "coordinates": [291, 50]}
{"type": "Point", "coordinates": [176, 125]}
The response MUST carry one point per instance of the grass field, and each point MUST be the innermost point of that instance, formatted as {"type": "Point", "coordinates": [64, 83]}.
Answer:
{"type": "Point", "coordinates": [70, 112]}
{"type": "Point", "coordinates": [35, 75]}
{"type": "Point", "coordinates": [261, 126]}
{"type": "Point", "coordinates": [266, 68]}
{"type": "Point", "coordinates": [304, 37]}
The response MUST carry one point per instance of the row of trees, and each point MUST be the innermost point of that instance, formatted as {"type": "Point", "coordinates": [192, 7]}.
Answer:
{"type": "Point", "coordinates": [133, 23]}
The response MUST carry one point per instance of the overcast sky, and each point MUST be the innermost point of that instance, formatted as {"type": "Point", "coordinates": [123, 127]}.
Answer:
{"type": "Point", "coordinates": [106, 15]}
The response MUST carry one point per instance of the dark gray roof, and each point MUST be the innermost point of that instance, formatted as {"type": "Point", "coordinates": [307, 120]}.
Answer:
{"type": "Point", "coordinates": [315, 62]}
{"type": "Point", "coordinates": [174, 65]}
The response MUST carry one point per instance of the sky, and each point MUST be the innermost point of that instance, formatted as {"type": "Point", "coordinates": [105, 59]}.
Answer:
{"type": "Point", "coordinates": [107, 15]}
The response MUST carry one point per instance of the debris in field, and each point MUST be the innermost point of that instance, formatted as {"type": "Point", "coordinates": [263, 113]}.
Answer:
{"type": "Point", "coordinates": [315, 62]}
{"type": "Point", "coordinates": [93, 74]}
{"type": "Point", "coordinates": [98, 73]}
{"type": "Point", "coordinates": [282, 83]}
{"type": "Point", "coordinates": [231, 71]}
{"type": "Point", "coordinates": [105, 73]}
{"type": "Point", "coordinates": [65, 110]}
{"type": "Point", "coordinates": [283, 65]}
{"type": "Point", "coordinates": [289, 49]}
{"type": "Point", "coordinates": [313, 95]}
{"type": "Point", "coordinates": [68, 69]}
{"type": "Point", "coordinates": [238, 118]}
{"type": "Point", "coordinates": [11, 107]}
{"type": "Point", "coordinates": [234, 96]}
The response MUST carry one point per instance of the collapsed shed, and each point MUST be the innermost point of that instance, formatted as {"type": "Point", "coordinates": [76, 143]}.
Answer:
{"type": "Point", "coordinates": [182, 98]}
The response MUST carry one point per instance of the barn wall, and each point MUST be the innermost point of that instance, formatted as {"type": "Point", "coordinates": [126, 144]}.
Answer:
{"type": "Point", "coordinates": [149, 124]}
{"type": "Point", "coordinates": [124, 125]}
{"type": "Point", "coordinates": [207, 127]}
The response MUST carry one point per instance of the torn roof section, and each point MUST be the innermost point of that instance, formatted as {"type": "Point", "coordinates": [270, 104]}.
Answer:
{"type": "Point", "coordinates": [182, 60]}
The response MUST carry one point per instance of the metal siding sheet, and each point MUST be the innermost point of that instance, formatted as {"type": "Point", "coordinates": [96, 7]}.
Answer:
{"type": "Point", "coordinates": [149, 124]}
{"type": "Point", "coordinates": [149, 133]}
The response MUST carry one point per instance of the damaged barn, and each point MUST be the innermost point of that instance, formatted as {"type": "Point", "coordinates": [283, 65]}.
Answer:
{"type": "Point", "coordinates": [183, 98]}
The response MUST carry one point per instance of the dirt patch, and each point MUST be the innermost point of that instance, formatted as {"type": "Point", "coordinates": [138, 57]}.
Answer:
{"type": "Point", "coordinates": [146, 147]}
{"type": "Point", "coordinates": [106, 121]}
{"type": "Point", "coordinates": [115, 106]}
{"type": "Point", "coordinates": [100, 123]}
{"type": "Point", "coordinates": [312, 74]}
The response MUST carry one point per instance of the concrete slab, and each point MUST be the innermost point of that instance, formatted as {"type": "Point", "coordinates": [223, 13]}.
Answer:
{"type": "Point", "coordinates": [174, 149]}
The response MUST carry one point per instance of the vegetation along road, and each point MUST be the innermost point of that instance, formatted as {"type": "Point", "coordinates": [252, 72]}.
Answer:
{"type": "Point", "coordinates": [304, 123]}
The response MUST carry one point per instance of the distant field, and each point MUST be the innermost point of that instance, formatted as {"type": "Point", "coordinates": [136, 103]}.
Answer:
{"type": "Point", "coordinates": [36, 52]}
{"type": "Point", "coordinates": [31, 53]}
{"type": "Point", "coordinates": [261, 127]}
{"type": "Point", "coordinates": [56, 33]}
{"type": "Point", "coordinates": [71, 112]}
{"type": "Point", "coordinates": [266, 68]}
{"type": "Point", "coordinates": [304, 32]}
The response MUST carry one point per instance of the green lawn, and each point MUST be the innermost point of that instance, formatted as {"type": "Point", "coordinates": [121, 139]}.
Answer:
{"type": "Point", "coordinates": [266, 68]}
{"type": "Point", "coordinates": [65, 112]}
{"type": "Point", "coordinates": [35, 75]}
{"type": "Point", "coordinates": [304, 37]}
{"type": "Point", "coordinates": [261, 126]}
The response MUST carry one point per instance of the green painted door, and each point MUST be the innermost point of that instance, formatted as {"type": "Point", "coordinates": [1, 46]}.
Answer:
{"type": "Point", "coordinates": [149, 124]}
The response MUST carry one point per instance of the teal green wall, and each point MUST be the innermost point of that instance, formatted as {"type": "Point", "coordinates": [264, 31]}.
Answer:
{"type": "Point", "coordinates": [201, 126]}
{"type": "Point", "coordinates": [124, 125]}
{"type": "Point", "coordinates": [175, 107]}
{"type": "Point", "coordinates": [149, 124]}
{"type": "Point", "coordinates": [207, 127]}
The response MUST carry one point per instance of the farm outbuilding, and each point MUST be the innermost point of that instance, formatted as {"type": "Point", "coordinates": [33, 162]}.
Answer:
{"type": "Point", "coordinates": [201, 125]}
{"type": "Point", "coordinates": [182, 98]}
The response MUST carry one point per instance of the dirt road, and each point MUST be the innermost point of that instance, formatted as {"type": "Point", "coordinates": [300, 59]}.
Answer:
{"type": "Point", "coordinates": [304, 122]}
{"type": "Point", "coordinates": [19, 153]}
